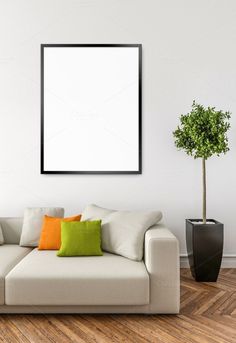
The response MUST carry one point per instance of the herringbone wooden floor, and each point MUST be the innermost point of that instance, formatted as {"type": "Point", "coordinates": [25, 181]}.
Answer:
{"type": "Point", "coordinates": [208, 315]}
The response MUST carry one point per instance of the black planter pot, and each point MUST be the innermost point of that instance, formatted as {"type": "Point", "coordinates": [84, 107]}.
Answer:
{"type": "Point", "coordinates": [205, 248]}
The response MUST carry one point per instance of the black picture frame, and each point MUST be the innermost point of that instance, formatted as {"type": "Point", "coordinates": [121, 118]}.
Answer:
{"type": "Point", "coordinates": [42, 168]}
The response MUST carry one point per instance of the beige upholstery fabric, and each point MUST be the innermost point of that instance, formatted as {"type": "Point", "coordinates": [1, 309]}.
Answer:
{"type": "Point", "coordinates": [42, 278]}
{"type": "Point", "coordinates": [75, 309]}
{"type": "Point", "coordinates": [11, 228]}
{"type": "Point", "coordinates": [123, 231]}
{"type": "Point", "coordinates": [10, 255]}
{"type": "Point", "coordinates": [32, 223]}
{"type": "Point", "coordinates": [1, 236]}
{"type": "Point", "coordinates": [162, 263]}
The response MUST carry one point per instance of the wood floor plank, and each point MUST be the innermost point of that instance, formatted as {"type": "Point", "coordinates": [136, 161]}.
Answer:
{"type": "Point", "coordinates": [64, 324]}
{"type": "Point", "coordinates": [208, 315]}
{"type": "Point", "coordinates": [29, 330]}
{"type": "Point", "coordinates": [212, 325]}
{"type": "Point", "coordinates": [184, 330]}
{"type": "Point", "coordinates": [48, 329]}
{"type": "Point", "coordinates": [152, 332]}
{"type": "Point", "coordinates": [10, 333]}
{"type": "Point", "coordinates": [154, 324]}
{"type": "Point", "coordinates": [117, 333]}
{"type": "Point", "coordinates": [101, 333]}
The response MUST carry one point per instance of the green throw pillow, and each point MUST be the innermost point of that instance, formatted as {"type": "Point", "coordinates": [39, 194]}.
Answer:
{"type": "Point", "coordinates": [80, 238]}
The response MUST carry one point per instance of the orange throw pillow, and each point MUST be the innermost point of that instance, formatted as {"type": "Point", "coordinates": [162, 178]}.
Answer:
{"type": "Point", "coordinates": [50, 238]}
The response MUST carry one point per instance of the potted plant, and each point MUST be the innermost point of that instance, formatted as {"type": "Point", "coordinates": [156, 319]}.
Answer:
{"type": "Point", "coordinates": [202, 133]}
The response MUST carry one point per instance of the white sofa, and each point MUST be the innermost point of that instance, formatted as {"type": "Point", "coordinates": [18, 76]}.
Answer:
{"type": "Point", "coordinates": [33, 281]}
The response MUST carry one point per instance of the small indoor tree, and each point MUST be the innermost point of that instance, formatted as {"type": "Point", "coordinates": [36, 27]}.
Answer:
{"type": "Point", "coordinates": [201, 134]}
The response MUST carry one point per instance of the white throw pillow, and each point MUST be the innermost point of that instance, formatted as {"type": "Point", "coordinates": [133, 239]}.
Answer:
{"type": "Point", "coordinates": [1, 236]}
{"type": "Point", "coordinates": [123, 231]}
{"type": "Point", "coordinates": [32, 223]}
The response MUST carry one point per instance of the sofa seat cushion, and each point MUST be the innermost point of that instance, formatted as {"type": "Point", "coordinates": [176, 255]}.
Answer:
{"type": "Point", "coordinates": [42, 278]}
{"type": "Point", "coordinates": [10, 255]}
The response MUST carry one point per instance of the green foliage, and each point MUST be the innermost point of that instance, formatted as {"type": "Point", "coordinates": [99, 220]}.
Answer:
{"type": "Point", "coordinates": [202, 132]}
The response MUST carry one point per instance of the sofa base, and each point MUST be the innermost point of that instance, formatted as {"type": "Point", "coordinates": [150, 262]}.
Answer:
{"type": "Point", "coordinates": [6, 309]}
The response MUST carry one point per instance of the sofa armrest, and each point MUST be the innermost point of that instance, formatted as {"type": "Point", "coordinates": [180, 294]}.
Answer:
{"type": "Point", "coordinates": [162, 263]}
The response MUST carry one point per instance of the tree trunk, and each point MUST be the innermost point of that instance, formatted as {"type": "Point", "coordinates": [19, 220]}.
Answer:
{"type": "Point", "coordinates": [204, 190]}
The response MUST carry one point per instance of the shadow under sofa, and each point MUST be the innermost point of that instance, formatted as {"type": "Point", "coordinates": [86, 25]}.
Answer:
{"type": "Point", "coordinates": [33, 281]}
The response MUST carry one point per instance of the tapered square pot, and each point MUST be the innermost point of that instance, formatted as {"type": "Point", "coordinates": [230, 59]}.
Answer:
{"type": "Point", "coordinates": [205, 248]}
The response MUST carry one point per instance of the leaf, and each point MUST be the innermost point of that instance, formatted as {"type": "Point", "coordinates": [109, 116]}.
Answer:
{"type": "Point", "coordinates": [203, 132]}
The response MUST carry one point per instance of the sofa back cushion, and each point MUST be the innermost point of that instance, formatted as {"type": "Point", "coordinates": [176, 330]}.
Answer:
{"type": "Point", "coordinates": [123, 231]}
{"type": "Point", "coordinates": [32, 223]}
{"type": "Point", "coordinates": [11, 229]}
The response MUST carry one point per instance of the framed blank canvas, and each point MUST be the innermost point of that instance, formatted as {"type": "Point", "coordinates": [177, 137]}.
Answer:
{"type": "Point", "coordinates": [91, 109]}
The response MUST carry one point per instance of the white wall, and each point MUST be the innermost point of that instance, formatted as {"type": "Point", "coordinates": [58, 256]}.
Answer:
{"type": "Point", "coordinates": [189, 52]}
